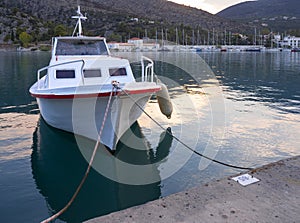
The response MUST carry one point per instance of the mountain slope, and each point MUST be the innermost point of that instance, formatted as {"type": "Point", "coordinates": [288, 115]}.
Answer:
{"type": "Point", "coordinates": [277, 15]}
{"type": "Point", "coordinates": [39, 17]}
{"type": "Point", "coordinates": [160, 10]}
{"type": "Point", "coordinates": [262, 8]}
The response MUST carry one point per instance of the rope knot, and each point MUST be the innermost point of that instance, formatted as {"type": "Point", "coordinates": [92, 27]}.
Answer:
{"type": "Point", "coordinates": [115, 84]}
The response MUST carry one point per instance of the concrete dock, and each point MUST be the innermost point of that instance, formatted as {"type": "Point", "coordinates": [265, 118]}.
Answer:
{"type": "Point", "coordinates": [275, 198]}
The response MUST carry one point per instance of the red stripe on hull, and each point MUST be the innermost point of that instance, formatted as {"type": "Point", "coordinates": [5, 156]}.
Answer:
{"type": "Point", "coordinates": [94, 95]}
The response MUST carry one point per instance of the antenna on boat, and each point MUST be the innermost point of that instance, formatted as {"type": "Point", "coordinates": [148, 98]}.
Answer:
{"type": "Point", "coordinates": [80, 17]}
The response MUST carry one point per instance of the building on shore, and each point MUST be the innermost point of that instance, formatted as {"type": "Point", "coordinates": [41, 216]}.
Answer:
{"type": "Point", "coordinates": [133, 44]}
{"type": "Point", "coordinates": [290, 42]}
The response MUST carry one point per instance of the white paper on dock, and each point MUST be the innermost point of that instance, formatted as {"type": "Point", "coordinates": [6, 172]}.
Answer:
{"type": "Point", "coordinates": [245, 179]}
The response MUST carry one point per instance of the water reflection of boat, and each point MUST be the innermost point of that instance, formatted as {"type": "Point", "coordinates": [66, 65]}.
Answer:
{"type": "Point", "coordinates": [58, 166]}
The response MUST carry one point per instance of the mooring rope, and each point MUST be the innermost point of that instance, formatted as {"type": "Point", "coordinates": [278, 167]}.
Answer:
{"type": "Point", "coordinates": [116, 86]}
{"type": "Point", "coordinates": [90, 163]}
{"type": "Point", "coordinates": [180, 141]}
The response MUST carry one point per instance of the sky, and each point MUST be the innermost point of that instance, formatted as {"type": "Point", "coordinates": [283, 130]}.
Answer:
{"type": "Point", "coordinates": [211, 6]}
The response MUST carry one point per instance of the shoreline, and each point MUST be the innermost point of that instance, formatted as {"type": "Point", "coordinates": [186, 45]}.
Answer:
{"type": "Point", "coordinates": [18, 48]}
{"type": "Point", "coordinates": [171, 48]}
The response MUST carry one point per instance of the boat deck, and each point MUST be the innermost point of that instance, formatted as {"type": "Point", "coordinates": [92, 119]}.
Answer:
{"type": "Point", "coordinates": [275, 198]}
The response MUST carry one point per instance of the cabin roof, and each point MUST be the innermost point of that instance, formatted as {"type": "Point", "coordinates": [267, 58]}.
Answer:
{"type": "Point", "coordinates": [79, 38]}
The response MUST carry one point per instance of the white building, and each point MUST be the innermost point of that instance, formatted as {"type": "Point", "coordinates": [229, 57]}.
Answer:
{"type": "Point", "coordinates": [136, 41]}
{"type": "Point", "coordinates": [133, 44]}
{"type": "Point", "coordinates": [290, 41]}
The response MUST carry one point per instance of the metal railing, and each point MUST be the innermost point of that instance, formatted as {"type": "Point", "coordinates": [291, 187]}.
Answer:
{"type": "Point", "coordinates": [56, 65]}
{"type": "Point", "coordinates": [148, 70]}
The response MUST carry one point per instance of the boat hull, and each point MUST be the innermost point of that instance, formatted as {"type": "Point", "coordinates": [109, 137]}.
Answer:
{"type": "Point", "coordinates": [84, 116]}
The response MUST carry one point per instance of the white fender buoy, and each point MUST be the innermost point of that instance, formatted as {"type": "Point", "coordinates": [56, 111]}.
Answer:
{"type": "Point", "coordinates": [164, 101]}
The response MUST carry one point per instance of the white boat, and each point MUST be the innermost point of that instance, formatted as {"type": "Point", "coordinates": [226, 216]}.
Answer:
{"type": "Point", "coordinates": [77, 87]}
{"type": "Point", "coordinates": [253, 49]}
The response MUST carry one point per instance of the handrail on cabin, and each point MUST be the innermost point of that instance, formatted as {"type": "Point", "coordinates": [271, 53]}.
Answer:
{"type": "Point", "coordinates": [55, 65]}
{"type": "Point", "coordinates": [148, 69]}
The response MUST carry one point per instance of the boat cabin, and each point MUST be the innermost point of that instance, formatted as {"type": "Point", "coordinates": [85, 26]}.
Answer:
{"type": "Point", "coordinates": [78, 61]}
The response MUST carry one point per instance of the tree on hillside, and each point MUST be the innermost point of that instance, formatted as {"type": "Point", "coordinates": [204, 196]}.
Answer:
{"type": "Point", "coordinates": [60, 30]}
{"type": "Point", "coordinates": [25, 39]}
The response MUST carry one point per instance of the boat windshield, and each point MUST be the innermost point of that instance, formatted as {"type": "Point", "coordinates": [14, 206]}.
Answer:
{"type": "Point", "coordinates": [81, 47]}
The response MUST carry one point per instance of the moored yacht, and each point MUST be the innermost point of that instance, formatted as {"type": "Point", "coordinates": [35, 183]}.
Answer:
{"type": "Point", "coordinates": [85, 88]}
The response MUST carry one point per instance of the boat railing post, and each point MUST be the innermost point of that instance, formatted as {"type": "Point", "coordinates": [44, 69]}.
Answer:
{"type": "Point", "coordinates": [148, 70]}
{"type": "Point", "coordinates": [82, 74]}
{"type": "Point", "coordinates": [143, 69]}
{"type": "Point", "coordinates": [152, 72]}
{"type": "Point", "coordinates": [146, 73]}
{"type": "Point", "coordinates": [38, 78]}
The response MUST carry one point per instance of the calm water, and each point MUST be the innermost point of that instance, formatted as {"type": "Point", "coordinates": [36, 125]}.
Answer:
{"type": "Point", "coordinates": [241, 108]}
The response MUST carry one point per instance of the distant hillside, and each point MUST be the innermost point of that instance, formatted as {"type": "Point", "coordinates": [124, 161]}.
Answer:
{"type": "Point", "coordinates": [277, 15]}
{"type": "Point", "coordinates": [112, 18]}
{"type": "Point", "coordinates": [262, 8]}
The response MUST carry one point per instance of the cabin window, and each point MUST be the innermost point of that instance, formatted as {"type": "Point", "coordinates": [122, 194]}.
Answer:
{"type": "Point", "coordinates": [117, 72]}
{"type": "Point", "coordinates": [81, 47]}
{"type": "Point", "coordinates": [62, 74]}
{"type": "Point", "coordinates": [92, 73]}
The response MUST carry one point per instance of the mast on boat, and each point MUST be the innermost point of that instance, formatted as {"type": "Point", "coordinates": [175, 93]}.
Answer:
{"type": "Point", "coordinates": [80, 17]}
